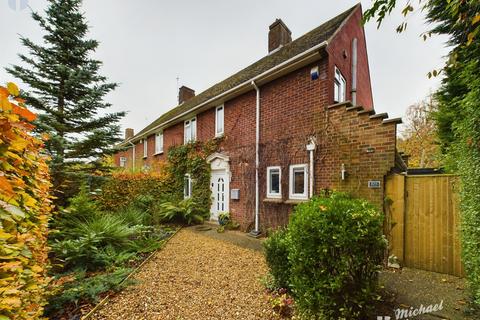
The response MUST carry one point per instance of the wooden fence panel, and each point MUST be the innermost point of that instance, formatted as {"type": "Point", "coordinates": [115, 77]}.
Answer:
{"type": "Point", "coordinates": [430, 229]}
{"type": "Point", "coordinates": [395, 192]}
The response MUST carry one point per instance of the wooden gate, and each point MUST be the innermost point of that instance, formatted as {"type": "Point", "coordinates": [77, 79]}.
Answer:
{"type": "Point", "coordinates": [423, 222]}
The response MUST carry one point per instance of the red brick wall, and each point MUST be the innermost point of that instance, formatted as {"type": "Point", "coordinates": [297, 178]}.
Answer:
{"type": "Point", "coordinates": [343, 42]}
{"type": "Point", "coordinates": [293, 109]}
{"type": "Point", "coordinates": [239, 145]}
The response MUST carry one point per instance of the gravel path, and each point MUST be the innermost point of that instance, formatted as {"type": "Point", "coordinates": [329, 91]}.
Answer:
{"type": "Point", "coordinates": [194, 277]}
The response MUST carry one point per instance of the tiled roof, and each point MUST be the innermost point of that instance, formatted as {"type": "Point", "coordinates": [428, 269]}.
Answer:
{"type": "Point", "coordinates": [316, 36]}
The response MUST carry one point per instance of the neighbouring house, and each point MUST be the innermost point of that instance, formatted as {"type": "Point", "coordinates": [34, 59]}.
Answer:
{"type": "Point", "coordinates": [296, 122]}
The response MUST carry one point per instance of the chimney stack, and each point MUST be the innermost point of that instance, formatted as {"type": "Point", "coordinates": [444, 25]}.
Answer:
{"type": "Point", "coordinates": [278, 35]}
{"type": "Point", "coordinates": [129, 133]}
{"type": "Point", "coordinates": [184, 94]}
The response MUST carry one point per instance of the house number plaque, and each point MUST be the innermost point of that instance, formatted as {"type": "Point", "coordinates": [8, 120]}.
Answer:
{"type": "Point", "coordinates": [374, 184]}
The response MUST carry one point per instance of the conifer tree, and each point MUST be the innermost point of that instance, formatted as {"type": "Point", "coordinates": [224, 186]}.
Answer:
{"type": "Point", "coordinates": [68, 92]}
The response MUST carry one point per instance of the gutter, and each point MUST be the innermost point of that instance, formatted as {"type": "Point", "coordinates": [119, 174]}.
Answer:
{"type": "Point", "coordinates": [245, 84]}
{"type": "Point", "coordinates": [256, 231]}
{"type": "Point", "coordinates": [133, 154]}
{"type": "Point", "coordinates": [354, 71]}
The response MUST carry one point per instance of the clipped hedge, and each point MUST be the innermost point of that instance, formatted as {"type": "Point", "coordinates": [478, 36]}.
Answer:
{"type": "Point", "coordinates": [120, 190]}
{"type": "Point", "coordinates": [25, 208]}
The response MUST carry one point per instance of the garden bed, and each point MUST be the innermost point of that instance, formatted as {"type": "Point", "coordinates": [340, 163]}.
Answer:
{"type": "Point", "coordinates": [97, 286]}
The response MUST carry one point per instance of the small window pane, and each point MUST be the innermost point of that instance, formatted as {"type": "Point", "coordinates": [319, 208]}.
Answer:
{"type": "Point", "coordinates": [123, 161]}
{"type": "Point", "coordinates": [336, 94]}
{"type": "Point", "coordinates": [299, 181]}
{"type": "Point", "coordinates": [187, 186]}
{"type": "Point", "coordinates": [159, 143]}
{"type": "Point", "coordinates": [219, 122]}
{"type": "Point", "coordinates": [274, 181]}
{"type": "Point", "coordinates": [340, 87]}
{"type": "Point", "coordinates": [187, 131]}
{"type": "Point", "coordinates": [193, 136]}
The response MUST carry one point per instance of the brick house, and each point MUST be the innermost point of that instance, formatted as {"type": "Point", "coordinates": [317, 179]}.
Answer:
{"type": "Point", "coordinates": [297, 121]}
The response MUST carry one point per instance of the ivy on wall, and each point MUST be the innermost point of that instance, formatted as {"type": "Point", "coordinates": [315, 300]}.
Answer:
{"type": "Point", "coordinates": [190, 159]}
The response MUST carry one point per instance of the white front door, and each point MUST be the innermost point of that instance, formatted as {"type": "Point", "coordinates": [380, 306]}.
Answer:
{"type": "Point", "coordinates": [219, 185]}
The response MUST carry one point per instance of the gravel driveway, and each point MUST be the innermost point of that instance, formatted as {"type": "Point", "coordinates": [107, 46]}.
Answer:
{"type": "Point", "coordinates": [195, 277]}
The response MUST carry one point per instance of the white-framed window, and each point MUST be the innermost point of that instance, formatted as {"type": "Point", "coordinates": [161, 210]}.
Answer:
{"type": "Point", "coordinates": [159, 142]}
{"type": "Point", "coordinates": [298, 181]}
{"type": "Point", "coordinates": [274, 182]}
{"type": "Point", "coordinates": [123, 162]}
{"type": "Point", "coordinates": [340, 87]}
{"type": "Point", "coordinates": [187, 186]}
{"type": "Point", "coordinates": [190, 130]}
{"type": "Point", "coordinates": [145, 148]}
{"type": "Point", "coordinates": [219, 120]}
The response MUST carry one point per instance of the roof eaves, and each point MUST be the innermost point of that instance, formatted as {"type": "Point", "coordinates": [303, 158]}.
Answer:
{"type": "Point", "coordinates": [177, 112]}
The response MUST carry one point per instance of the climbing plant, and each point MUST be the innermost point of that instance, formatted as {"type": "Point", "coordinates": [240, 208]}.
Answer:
{"type": "Point", "coordinates": [190, 159]}
{"type": "Point", "coordinates": [25, 207]}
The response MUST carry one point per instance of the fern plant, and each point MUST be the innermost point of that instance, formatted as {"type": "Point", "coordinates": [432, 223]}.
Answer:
{"type": "Point", "coordinates": [186, 211]}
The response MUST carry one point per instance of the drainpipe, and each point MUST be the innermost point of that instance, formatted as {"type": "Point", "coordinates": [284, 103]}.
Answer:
{"type": "Point", "coordinates": [354, 71]}
{"type": "Point", "coordinates": [256, 231]}
{"type": "Point", "coordinates": [133, 155]}
{"type": "Point", "coordinates": [311, 149]}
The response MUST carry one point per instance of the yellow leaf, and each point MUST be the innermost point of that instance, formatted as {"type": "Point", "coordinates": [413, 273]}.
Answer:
{"type": "Point", "coordinates": [37, 269]}
{"type": "Point", "coordinates": [5, 105]}
{"type": "Point", "coordinates": [15, 302]}
{"type": "Point", "coordinates": [13, 89]}
{"type": "Point", "coordinates": [19, 144]}
{"type": "Point", "coordinates": [476, 19]}
{"type": "Point", "coordinates": [4, 235]}
{"type": "Point", "coordinates": [470, 37]}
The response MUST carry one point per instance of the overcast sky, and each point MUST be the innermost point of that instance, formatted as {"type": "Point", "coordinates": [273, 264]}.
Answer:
{"type": "Point", "coordinates": [146, 44]}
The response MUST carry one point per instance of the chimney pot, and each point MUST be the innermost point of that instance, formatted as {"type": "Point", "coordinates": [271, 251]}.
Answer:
{"type": "Point", "coordinates": [184, 94]}
{"type": "Point", "coordinates": [278, 35]}
{"type": "Point", "coordinates": [129, 133]}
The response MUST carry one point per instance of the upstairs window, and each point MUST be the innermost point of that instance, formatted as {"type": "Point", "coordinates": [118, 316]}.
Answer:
{"type": "Point", "coordinates": [274, 186]}
{"type": "Point", "coordinates": [187, 186]}
{"type": "Point", "coordinates": [340, 87]}
{"type": "Point", "coordinates": [298, 181]}
{"type": "Point", "coordinates": [190, 130]}
{"type": "Point", "coordinates": [123, 162]}
{"type": "Point", "coordinates": [159, 143]}
{"type": "Point", "coordinates": [219, 112]}
{"type": "Point", "coordinates": [145, 148]}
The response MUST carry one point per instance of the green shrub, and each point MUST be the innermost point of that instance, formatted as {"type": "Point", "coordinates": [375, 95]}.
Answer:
{"type": "Point", "coordinates": [133, 216]}
{"type": "Point", "coordinates": [276, 254]}
{"type": "Point", "coordinates": [335, 248]}
{"type": "Point", "coordinates": [186, 211]}
{"type": "Point", "coordinates": [83, 289]}
{"type": "Point", "coordinates": [84, 242]}
{"type": "Point", "coordinates": [82, 208]}
{"type": "Point", "coordinates": [469, 167]}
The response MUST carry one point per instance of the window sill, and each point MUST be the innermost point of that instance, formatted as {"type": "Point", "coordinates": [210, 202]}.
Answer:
{"type": "Point", "coordinates": [144, 157]}
{"type": "Point", "coordinates": [219, 135]}
{"type": "Point", "coordinates": [295, 201]}
{"type": "Point", "coordinates": [158, 153]}
{"type": "Point", "coordinates": [273, 200]}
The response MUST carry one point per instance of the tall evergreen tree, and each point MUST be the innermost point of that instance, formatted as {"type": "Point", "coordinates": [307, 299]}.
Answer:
{"type": "Point", "coordinates": [68, 92]}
